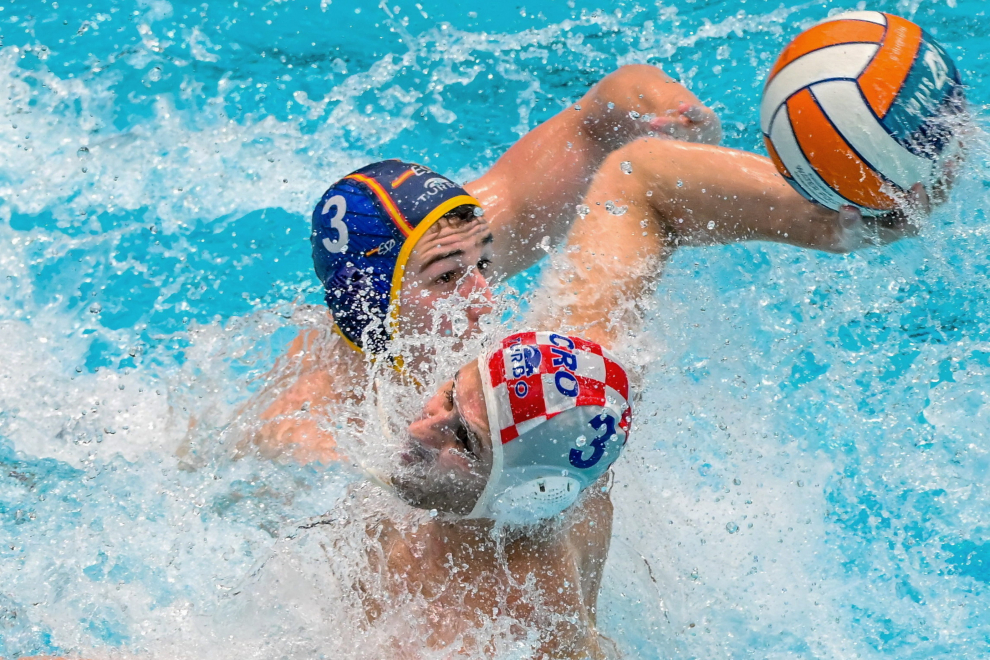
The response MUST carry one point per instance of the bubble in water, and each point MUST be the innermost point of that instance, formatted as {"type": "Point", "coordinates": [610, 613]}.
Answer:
{"type": "Point", "coordinates": [583, 210]}
{"type": "Point", "coordinates": [634, 114]}
{"type": "Point", "coordinates": [433, 513]}
{"type": "Point", "coordinates": [626, 166]}
{"type": "Point", "coordinates": [581, 440]}
{"type": "Point", "coordinates": [711, 224]}
{"type": "Point", "coordinates": [611, 106]}
{"type": "Point", "coordinates": [731, 527]}
{"type": "Point", "coordinates": [95, 308]}
{"type": "Point", "coordinates": [614, 209]}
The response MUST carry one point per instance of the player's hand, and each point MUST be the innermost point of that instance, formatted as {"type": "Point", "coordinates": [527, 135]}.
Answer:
{"type": "Point", "coordinates": [857, 232]}
{"type": "Point", "coordinates": [690, 123]}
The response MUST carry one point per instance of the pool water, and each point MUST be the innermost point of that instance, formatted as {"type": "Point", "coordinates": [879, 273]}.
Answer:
{"type": "Point", "coordinates": [809, 475]}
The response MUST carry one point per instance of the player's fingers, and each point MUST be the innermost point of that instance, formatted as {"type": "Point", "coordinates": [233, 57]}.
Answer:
{"type": "Point", "coordinates": [664, 125]}
{"type": "Point", "coordinates": [696, 113]}
{"type": "Point", "coordinates": [895, 225]}
{"type": "Point", "coordinates": [918, 200]}
{"type": "Point", "coordinates": [849, 217]}
{"type": "Point", "coordinates": [852, 234]}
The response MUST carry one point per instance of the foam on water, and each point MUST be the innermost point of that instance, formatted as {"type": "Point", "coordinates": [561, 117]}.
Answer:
{"type": "Point", "coordinates": [808, 471]}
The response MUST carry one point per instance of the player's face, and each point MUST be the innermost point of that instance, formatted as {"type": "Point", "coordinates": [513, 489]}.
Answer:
{"type": "Point", "coordinates": [448, 458]}
{"type": "Point", "coordinates": [451, 260]}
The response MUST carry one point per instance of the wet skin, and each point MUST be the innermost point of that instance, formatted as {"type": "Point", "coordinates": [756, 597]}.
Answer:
{"type": "Point", "coordinates": [544, 579]}
{"type": "Point", "coordinates": [530, 197]}
{"type": "Point", "coordinates": [448, 458]}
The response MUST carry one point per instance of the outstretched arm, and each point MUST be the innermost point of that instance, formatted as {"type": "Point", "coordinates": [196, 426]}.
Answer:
{"type": "Point", "coordinates": [684, 194]}
{"type": "Point", "coordinates": [533, 190]}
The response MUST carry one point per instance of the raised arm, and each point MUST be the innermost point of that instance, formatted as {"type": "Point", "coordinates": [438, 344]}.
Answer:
{"type": "Point", "coordinates": [532, 191]}
{"type": "Point", "coordinates": [683, 194]}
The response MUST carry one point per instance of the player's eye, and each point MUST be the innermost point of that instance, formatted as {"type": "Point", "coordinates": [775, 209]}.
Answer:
{"type": "Point", "coordinates": [446, 278]}
{"type": "Point", "coordinates": [464, 437]}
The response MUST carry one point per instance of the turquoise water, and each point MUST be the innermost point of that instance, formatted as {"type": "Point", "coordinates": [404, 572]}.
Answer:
{"type": "Point", "coordinates": [159, 164]}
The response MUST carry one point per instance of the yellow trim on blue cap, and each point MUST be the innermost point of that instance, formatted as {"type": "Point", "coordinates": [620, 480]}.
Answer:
{"type": "Point", "coordinates": [336, 328]}
{"type": "Point", "coordinates": [407, 247]}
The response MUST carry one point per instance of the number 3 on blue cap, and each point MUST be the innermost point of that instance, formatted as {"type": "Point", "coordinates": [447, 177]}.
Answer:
{"type": "Point", "coordinates": [336, 222]}
{"type": "Point", "coordinates": [598, 444]}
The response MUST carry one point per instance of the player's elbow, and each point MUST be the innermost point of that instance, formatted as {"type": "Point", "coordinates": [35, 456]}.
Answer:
{"type": "Point", "coordinates": [634, 75]}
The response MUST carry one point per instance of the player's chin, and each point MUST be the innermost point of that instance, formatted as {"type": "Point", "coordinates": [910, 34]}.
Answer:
{"type": "Point", "coordinates": [448, 489]}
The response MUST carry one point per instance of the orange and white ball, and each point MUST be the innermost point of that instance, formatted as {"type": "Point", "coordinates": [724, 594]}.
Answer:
{"type": "Point", "coordinates": [858, 108]}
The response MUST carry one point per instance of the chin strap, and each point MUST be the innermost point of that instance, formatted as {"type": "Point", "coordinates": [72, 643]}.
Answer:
{"type": "Point", "coordinates": [482, 508]}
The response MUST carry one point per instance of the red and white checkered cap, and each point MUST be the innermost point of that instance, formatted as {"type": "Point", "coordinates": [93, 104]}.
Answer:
{"type": "Point", "coordinates": [535, 376]}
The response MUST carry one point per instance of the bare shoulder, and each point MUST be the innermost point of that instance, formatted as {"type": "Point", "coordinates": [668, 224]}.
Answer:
{"type": "Point", "coordinates": [292, 407]}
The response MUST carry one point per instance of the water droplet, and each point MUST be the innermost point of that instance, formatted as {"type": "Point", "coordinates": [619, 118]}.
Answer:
{"type": "Point", "coordinates": [581, 441]}
{"type": "Point", "coordinates": [583, 210]}
{"type": "Point", "coordinates": [634, 114]}
{"type": "Point", "coordinates": [577, 106]}
{"type": "Point", "coordinates": [614, 209]}
{"type": "Point", "coordinates": [626, 166]}
{"type": "Point", "coordinates": [800, 483]}
{"type": "Point", "coordinates": [83, 151]}
{"type": "Point", "coordinates": [109, 430]}
{"type": "Point", "coordinates": [611, 106]}
{"type": "Point", "coordinates": [736, 481]}
{"type": "Point", "coordinates": [649, 193]}
{"type": "Point", "coordinates": [95, 308]}
{"type": "Point", "coordinates": [711, 224]}
{"type": "Point", "coordinates": [680, 184]}
{"type": "Point", "coordinates": [433, 513]}
{"type": "Point", "coordinates": [731, 527]}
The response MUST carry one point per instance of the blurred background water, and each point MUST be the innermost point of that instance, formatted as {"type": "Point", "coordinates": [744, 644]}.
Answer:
{"type": "Point", "coordinates": [809, 477]}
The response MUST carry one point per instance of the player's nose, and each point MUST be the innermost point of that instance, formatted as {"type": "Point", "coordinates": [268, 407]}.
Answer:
{"type": "Point", "coordinates": [478, 292]}
{"type": "Point", "coordinates": [436, 424]}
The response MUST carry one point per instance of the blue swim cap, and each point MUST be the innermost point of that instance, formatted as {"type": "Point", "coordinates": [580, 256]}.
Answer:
{"type": "Point", "coordinates": [364, 229]}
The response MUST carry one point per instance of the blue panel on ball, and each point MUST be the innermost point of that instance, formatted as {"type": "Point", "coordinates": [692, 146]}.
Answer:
{"type": "Point", "coordinates": [931, 92]}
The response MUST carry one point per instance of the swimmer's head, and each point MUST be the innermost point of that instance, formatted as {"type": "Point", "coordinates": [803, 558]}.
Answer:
{"type": "Point", "coordinates": [448, 459]}
{"type": "Point", "coordinates": [391, 239]}
{"type": "Point", "coordinates": [519, 433]}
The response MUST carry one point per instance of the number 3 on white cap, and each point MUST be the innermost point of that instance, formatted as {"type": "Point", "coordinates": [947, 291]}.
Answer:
{"type": "Point", "coordinates": [336, 222]}
{"type": "Point", "coordinates": [598, 444]}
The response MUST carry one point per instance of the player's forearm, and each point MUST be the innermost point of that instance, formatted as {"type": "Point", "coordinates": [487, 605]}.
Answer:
{"type": "Point", "coordinates": [705, 195]}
